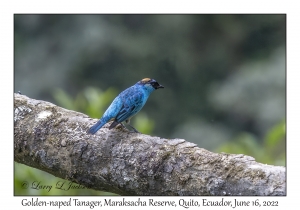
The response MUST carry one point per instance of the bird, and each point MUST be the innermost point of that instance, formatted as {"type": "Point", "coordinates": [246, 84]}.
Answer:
{"type": "Point", "coordinates": [128, 103]}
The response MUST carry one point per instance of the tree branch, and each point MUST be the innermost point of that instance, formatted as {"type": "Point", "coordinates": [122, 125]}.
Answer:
{"type": "Point", "coordinates": [54, 140]}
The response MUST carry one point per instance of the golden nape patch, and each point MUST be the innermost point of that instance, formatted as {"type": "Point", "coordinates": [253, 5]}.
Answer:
{"type": "Point", "coordinates": [146, 80]}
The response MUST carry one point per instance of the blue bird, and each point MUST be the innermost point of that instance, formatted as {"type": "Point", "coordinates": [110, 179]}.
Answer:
{"type": "Point", "coordinates": [126, 104]}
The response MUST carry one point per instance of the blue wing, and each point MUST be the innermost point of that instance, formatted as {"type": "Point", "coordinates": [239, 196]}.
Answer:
{"type": "Point", "coordinates": [132, 103]}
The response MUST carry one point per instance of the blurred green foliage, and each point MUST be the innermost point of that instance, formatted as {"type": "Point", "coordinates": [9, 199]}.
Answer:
{"type": "Point", "coordinates": [269, 151]}
{"type": "Point", "coordinates": [91, 101]}
{"type": "Point", "coordinates": [207, 63]}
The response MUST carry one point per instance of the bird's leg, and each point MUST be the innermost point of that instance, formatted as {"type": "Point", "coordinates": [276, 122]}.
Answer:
{"type": "Point", "coordinates": [124, 127]}
{"type": "Point", "coordinates": [135, 130]}
{"type": "Point", "coordinates": [128, 123]}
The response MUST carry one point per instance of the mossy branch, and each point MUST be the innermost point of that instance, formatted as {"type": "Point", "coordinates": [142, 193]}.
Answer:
{"type": "Point", "coordinates": [54, 140]}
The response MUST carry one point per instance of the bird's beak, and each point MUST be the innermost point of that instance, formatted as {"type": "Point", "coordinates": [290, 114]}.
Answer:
{"type": "Point", "coordinates": [160, 86]}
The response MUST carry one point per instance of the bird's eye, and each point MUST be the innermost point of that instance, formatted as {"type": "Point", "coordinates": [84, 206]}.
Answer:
{"type": "Point", "coordinates": [154, 84]}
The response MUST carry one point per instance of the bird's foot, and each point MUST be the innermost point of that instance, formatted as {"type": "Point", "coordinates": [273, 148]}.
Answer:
{"type": "Point", "coordinates": [134, 130]}
{"type": "Point", "coordinates": [130, 131]}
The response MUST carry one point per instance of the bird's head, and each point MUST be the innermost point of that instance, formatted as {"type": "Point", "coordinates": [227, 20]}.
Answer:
{"type": "Point", "coordinates": [150, 83]}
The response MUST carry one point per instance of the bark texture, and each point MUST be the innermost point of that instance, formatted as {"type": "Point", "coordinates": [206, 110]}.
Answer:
{"type": "Point", "coordinates": [54, 140]}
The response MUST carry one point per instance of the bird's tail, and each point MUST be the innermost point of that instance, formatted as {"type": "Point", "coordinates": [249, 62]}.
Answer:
{"type": "Point", "coordinates": [97, 126]}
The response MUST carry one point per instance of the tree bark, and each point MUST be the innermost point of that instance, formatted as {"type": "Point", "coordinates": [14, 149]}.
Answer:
{"type": "Point", "coordinates": [54, 140]}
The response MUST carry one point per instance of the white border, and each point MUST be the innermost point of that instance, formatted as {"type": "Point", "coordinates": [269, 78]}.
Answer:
{"type": "Point", "coordinates": [8, 8]}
